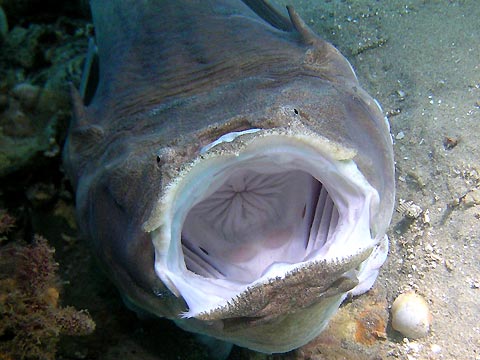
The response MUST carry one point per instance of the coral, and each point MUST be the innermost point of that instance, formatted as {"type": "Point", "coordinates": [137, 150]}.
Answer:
{"type": "Point", "coordinates": [31, 319]}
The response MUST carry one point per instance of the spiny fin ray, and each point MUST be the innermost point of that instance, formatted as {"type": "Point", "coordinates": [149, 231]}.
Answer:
{"type": "Point", "coordinates": [268, 13]}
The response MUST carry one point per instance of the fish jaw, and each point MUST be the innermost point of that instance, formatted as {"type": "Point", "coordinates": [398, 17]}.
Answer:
{"type": "Point", "coordinates": [259, 208]}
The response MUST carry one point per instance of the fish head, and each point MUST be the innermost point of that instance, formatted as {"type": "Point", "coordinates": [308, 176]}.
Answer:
{"type": "Point", "coordinates": [253, 226]}
{"type": "Point", "coordinates": [269, 227]}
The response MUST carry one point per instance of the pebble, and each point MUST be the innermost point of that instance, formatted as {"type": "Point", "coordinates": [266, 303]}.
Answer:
{"type": "Point", "coordinates": [472, 198]}
{"type": "Point", "coordinates": [411, 315]}
{"type": "Point", "coordinates": [436, 349]}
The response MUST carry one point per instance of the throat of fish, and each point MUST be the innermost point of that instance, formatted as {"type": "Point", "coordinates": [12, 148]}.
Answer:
{"type": "Point", "coordinates": [256, 206]}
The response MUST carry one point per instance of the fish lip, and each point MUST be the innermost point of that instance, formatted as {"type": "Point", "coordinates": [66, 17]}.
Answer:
{"type": "Point", "coordinates": [204, 295]}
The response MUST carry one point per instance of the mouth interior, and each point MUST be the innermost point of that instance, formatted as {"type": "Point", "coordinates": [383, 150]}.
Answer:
{"type": "Point", "coordinates": [255, 218]}
{"type": "Point", "coordinates": [239, 219]}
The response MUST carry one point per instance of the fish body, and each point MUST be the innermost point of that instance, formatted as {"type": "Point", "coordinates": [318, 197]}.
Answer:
{"type": "Point", "coordinates": [230, 172]}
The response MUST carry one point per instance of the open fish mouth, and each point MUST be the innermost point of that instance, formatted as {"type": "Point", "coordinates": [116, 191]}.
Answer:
{"type": "Point", "coordinates": [258, 205]}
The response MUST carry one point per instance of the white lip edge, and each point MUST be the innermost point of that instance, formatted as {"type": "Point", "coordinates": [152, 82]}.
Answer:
{"type": "Point", "coordinates": [168, 270]}
{"type": "Point", "coordinates": [229, 137]}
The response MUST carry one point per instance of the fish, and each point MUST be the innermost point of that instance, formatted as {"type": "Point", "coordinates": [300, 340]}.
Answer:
{"type": "Point", "coordinates": [230, 172]}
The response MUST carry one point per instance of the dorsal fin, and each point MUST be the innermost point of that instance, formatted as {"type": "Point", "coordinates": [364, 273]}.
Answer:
{"type": "Point", "coordinates": [79, 114]}
{"type": "Point", "coordinates": [81, 126]}
{"type": "Point", "coordinates": [322, 57]}
{"type": "Point", "coordinates": [269, 13]}
{"type": "Point", "coordinates": [89, 82]}
{"type": "Point", "coordinates": [308, 36]}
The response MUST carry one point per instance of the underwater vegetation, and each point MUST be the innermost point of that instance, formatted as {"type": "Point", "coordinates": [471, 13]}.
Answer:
{"type": "Point", "coordinates": [31, 317]}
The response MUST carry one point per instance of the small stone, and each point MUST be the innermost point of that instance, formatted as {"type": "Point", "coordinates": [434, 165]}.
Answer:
{"type": "Point", "coordinates": [27, 94]}
{"type": "Point", "coordinates": [400, 135]}
{"type": "Point", "coordinates": [409, 209]}
{"type": "Point", "coordinates": [428, 248]}
{"type": "Point", "coordinates": [436, 349]}
{"type": "Point", "coordinates": [472, 198]}
{"type": "Point", "coordinates": [413, 346]}
{"type": "Point", "coordinates": [413, 211]}
{"type": "Point", "coordinates": [449, 142]}
{"type": "Point", "coordinates": [426, 217]}
{"type": "Point", "coordinates": [411, 315]}
{"type": "Point", "coordinates": [449, 265]}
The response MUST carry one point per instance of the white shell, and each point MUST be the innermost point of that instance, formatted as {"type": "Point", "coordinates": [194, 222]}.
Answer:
{"type": "Point", "coordinates": [411, 315]}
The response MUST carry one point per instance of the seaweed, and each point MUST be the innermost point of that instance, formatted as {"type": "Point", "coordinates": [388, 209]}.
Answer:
{"type": "Point", "coordinates": [31, 318]}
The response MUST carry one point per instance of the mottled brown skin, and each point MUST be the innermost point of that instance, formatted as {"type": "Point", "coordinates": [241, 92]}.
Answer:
{"type": "Point", "coordinates": [174, 76]}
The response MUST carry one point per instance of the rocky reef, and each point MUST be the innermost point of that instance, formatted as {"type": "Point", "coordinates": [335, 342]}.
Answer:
{"type": "Point", "coordinates": [38, 61]}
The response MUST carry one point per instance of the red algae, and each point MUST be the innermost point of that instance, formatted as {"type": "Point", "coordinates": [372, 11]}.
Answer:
{"type": "Point", "coordinates": [31, 320]}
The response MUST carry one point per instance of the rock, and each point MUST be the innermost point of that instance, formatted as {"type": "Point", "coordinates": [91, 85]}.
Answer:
{"type": "Point", "coordinates": [27, 94]}
{"type": "Point", "coordinates": [411, 315]}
